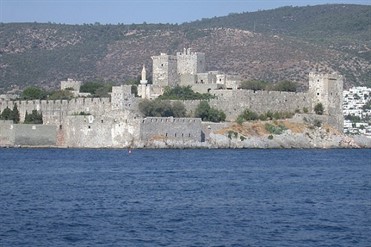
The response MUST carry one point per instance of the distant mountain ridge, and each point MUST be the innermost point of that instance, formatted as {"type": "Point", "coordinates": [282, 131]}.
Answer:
{"type": "Point", "coordinates": [273, 45]}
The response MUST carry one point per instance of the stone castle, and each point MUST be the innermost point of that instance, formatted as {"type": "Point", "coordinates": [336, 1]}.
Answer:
{"type": "Point", "coordinates": [117, 122]}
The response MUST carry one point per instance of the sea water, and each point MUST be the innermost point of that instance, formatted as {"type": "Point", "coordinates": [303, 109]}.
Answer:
{"type": "Point", "coordinates": [73, 197]}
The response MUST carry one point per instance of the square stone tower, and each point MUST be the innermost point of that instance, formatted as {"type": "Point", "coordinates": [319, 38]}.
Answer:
{"type": "Point", "coordinates": [165, 70]}
{"type": "Point", "coordinates": [190, 62]}
{"type": "Point", "coordinates": [121, 97]}
{"type": "Point", "coordinates": [328, 90]}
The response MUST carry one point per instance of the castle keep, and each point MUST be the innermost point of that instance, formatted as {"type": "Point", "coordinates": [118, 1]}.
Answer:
{"type": "Point", "coordinates": [117, 121]}
{"type": "Point", "coordinates": [186, 68]}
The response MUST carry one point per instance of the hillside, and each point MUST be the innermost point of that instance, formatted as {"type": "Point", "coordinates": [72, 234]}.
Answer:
{"type": "Point", "coordinates": [284, 43]}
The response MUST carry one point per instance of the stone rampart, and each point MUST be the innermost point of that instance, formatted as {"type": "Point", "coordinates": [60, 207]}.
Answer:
{"type": "Point", "coordinates": [233, 102]}
{"type": "Point", "coordinates": [28, 135]}
{"type": "Point", "coordinates": [55, 110]}
{"type": "Point", "coordinates": [174, 129]}
{"type": "Point", "coordinates": [109, 131]}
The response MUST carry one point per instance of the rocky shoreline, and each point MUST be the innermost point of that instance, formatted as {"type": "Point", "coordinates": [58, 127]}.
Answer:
{"type": "Point", "coordinates": [300, 136]}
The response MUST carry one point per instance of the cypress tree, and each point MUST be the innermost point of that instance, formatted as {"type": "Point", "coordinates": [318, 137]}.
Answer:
{"type": "Point", "coordinates": [15, 114]}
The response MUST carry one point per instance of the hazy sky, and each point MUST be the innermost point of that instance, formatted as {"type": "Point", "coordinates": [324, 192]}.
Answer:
{"type": "Point", "coordinates": [137, 11]}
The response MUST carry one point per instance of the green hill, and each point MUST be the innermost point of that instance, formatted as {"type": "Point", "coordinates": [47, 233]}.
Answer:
{"type": "Point", "coordinates": [281, 44]}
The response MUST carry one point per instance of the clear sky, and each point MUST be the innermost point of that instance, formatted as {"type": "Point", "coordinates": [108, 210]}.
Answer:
{"type": "Point", "coordinates": [138, 11]}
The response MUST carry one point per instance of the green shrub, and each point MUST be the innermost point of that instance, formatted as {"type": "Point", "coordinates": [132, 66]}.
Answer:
{"type": "Point", "coordinates": [319, 109]}
{"type": "Point", "coordinates": [317, 123]}
{"type": "Point", "coordinates": [33, 118]}
{"type": "Point", "coordinates": [254, 85]}
{"type": "Point", "coordinates": [269, 115]}
{"type": "Point", "coordinates": [96, 88]}
{"type": "Point", "coordinates": [32, 93]}
{"type": "Point", "coordinates": [240, 120]}
{"type": "Point", "coordinates": [61, 95]}
{"type": "Point", "coordinates": [183, 93]}
{"type": "Point", "coordinates": [287, 86]}
{"type": "Point", "coordinates": [263, 117]}
{"type": "Point", "coordinates": [305, 110]}
{"type": "Point", "coordinates": [250, 115]}
{"type": "Point", "coordinates": [161, 108]}
{"type": "Point", "coordinates": [207, 113]}
{"type": "Point", "coordinates": [275, 129]}
{"type": "Point", "coordinates": [230, 133]}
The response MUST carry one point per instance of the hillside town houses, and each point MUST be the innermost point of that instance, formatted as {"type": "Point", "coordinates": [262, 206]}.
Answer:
{"type": "Point", "coordinates": [357, 111]}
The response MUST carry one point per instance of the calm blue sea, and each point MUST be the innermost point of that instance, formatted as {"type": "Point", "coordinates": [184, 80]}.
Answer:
{"type": "Point", "coordinates": [72, 197]}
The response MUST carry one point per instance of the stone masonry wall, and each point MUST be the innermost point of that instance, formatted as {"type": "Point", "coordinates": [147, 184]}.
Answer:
{"type": "Point", "coordinates": [55, 111]}
{"type": "Point", "coordinates": [258, 101]}
{"type": "Point", "coordinates": [28, 135]}
{"type": "Point", "coordinates": [175, 129]}
{"type": "Point", "coordinates": [112, 131]}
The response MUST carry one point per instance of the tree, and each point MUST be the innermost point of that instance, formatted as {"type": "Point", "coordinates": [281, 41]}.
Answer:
{"type": "Point", "coordinates": [255, 85]}
{"type": "Point", "coordinates": [6, 114]}
{"type": "Point", "coordinates": [202, 110]}
{"type": "Point", "coordinates": [61, 94]}
{"type": "Point", "coordinates": [161, 108]}
{"type": "Point", "coordinates": [15, 114]}
{"type": "Point", "coordinates": [207, 113]}
{"type": "Point", "coordinates": [183, 93]}
{"type": "Point", "coordinates": [179, 109]}
{"type": "Point", "coordinates": [97, 89]}
{"type": "Point", "coordinates": [318, 109]}
{"type": "Point", "coordinates": [287, 86]}
{"type": "Point", "coordinates": [32, 93]}
{"type": "Point", "coordinates": [33, 118]}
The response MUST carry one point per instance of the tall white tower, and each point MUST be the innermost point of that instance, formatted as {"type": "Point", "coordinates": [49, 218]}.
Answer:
{"type": "Point", "coordinates": [143, 82]}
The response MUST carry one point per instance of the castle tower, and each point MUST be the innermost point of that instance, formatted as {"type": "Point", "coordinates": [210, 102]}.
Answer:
{"type": "Point", "coordinates": [190, 62]}
{"type": "Point", "coordinates": [121, 97]}
{"type": "Point", "coordinates": [165, 70]}
{"type": "Point", "coordinates": [328, 90]}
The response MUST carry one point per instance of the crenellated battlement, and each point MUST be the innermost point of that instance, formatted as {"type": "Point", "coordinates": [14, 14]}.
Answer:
{"type": "Point", "coordinates": [54, 110]}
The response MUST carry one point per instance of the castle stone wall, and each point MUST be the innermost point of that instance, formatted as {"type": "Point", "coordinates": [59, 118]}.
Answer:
{"type": "Point", "coordinates": [112, 131]}
{"type": "Point", "coordinates": [258, 101]}
{"type": "Point", "coordinates": [55, 110]}
{"type": "Point", "coordinates": [6, 133]}
{"type": "Point", "coordinates": [187, 79]}
{"type": "Point", "coordinates": [206, 78]}
{"type": "Point", "coordinates": [175, 129]}
{"type": "Point", "coordinates": [28, 134]}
